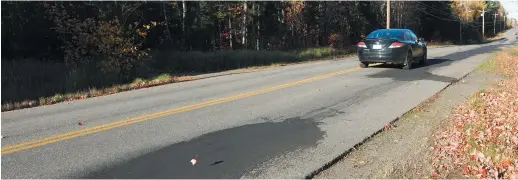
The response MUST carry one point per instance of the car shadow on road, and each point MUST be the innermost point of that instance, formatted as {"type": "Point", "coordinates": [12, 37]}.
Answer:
{"type": "Point", "coordinates": [422, 72]}
{"type": "Point", "coordinates": [430, 62]}
{"type": "Point", "coordinates": [417, 73]}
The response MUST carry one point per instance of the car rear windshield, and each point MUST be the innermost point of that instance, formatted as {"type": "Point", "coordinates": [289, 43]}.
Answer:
{"type": "Point", "coordinates": [386, 34]}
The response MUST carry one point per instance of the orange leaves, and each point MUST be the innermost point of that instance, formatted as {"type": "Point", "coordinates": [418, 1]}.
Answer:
{"type": "Point", "coordinates": [236, 9]}
{"type": "Point", "coordinates": [294, 11]}
{"type": "Point", "coordinates": [435, 174]}
{"type": "Point", "coordinates": [506, 164]}
{"type": "Point", "coordinates": [483, 139]}
{"type": "Point", "coordinates": [116, 48]}
{"type": "Point", "coordinates": [483, 173]}
{"type": "Point", "coordinates": [466, 171]}
{"type": "Point", "coordinates": [387, 127]}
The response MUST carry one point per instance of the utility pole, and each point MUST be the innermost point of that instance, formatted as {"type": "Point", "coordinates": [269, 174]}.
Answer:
{"type": "Point", "coordinates": [388, 14]}
{"type": "Point", "coordinates": [460, 25]}
{"type": "Point", "coordinates": [501, 23]}
{"type": "Point", "coordinates": [494, 25]}
{"type": "Point", "coordinates": [505, 20]}
{"type": "Point", "coordinates": [483, 24]}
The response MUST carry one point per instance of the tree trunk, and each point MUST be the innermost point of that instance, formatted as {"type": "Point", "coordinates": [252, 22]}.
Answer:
{"type": "Point", "coordinates": [258, 27]}
{"type": "Point", "coordinates": [168, 32]}
{"type": "Point", "coordinates": [244, 23]}
{"type": "Point", "coordinates": [318, 19]}
{"type": "Point", "coordinates": [184, 12]}
{"type": "Point", "coordinates": [283, 25]}
{"type": "Point", "coordinates": [230, 29]}
{"type": "Point", "coordinates": [258, 36]}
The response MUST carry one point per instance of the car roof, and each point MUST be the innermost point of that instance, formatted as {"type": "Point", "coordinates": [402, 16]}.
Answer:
{"type": "Point", "coordinates": [393, 30]}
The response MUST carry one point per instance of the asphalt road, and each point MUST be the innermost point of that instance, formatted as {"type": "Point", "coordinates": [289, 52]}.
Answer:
{"type": "Point", "coordinates": [287, 131]}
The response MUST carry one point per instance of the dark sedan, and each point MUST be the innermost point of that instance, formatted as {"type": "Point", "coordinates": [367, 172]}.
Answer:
{"type": "Point", "coordinates": [392, 46]}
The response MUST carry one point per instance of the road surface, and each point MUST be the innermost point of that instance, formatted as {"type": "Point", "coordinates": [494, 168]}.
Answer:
{"type": "Point", "coordinates": [279, 123]}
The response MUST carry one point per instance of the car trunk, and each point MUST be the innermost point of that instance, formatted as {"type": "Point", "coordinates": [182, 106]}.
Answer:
{"type": "Point", "coordinates": [379, 44]}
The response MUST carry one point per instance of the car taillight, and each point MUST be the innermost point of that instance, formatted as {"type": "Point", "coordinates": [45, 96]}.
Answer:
{"type": "Point", "coordinates": [396, 45]}
{"type": "Point", "coordinates": [362, 44]}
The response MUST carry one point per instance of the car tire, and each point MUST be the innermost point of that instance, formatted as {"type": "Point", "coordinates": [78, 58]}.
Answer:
{"type": "Point", "coordinates": [407, 63]}
{"type": "Point", "coordinates": [423, 59]}
{"type": "Point", "coordinates": [364, 65]}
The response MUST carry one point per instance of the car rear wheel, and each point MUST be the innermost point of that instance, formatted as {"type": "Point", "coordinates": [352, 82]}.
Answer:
{"type": "Point", "coordinates": [364, 65]}
{"type": "Point", "coordinates": [407, 64]}
{"type": "Point", "coordinates": [423, 59]}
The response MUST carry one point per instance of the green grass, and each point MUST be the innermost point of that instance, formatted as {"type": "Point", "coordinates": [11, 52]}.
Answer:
{"type": "Point", "coordinates": [27, 83]}
{"type": "Point", "coordinates": [163, 77]}
{"type": "Point", "coordinates": [489, 65]}
{"type": "Point", "coordinates": [139, 81]}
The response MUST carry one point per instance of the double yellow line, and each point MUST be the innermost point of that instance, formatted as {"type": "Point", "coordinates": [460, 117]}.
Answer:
{"type": "Point", "coordinates": [105, 127]}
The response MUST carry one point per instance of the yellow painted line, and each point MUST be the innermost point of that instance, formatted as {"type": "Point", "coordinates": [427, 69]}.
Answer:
{"type": "Point", "coordinates": [105, 127]}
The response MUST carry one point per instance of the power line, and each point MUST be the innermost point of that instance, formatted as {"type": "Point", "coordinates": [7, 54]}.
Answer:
{"type": "Point", "coordinates": [443, 12]}
{"type": "Point", "coordinates": [455, 20]}
{"type": "Point", "coordinates": [436, 16]}
{"type": "Point", "coordinates": [438, 10]}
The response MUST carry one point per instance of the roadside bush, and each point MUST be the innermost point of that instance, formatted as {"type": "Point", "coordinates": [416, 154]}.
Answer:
{"type": "Point", "coordinates": [108, 44]}
{"type": "Point", "coordinates": [30, 79]}
{"type": "Point", "coordinates": [196, 61]}
{"type": "Point", "coordinates": [336, 41]}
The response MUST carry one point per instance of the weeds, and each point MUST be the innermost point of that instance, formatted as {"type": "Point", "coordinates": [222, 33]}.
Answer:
{"type": "Point", "coordinates": [489, 65]}
{"type": "Point", "coordinates": [31, 83]}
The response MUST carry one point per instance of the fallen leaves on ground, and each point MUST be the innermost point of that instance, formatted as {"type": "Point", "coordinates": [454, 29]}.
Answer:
{"type": "Point", "coordinates": [482, 138]}
{"type": "Point", "coordinates": [387, 127]}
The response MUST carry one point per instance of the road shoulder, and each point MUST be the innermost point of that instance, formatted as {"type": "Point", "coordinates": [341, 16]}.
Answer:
{"type": "Point", "coordinates": [403, 150]}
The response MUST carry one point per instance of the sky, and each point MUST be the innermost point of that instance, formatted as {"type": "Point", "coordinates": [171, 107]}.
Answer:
{"type": "Point", "coordinates": [511, 6]}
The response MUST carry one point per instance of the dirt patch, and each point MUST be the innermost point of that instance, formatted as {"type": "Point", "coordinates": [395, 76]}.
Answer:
{"type": "Point", "coordinates": [404, 151]}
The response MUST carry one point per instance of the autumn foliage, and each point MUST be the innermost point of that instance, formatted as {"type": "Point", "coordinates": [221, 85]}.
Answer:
{"type": "Point", "coordinates": [483, 139]}
{"type": "Point", "coordinates": [336, 40]}
{"type": "Point", "coordinates": [105, 42]}
{"type": "Point", "coordinates": [60, 48]}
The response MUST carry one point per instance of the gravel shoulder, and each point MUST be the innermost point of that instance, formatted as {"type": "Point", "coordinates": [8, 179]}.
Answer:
{"type": "Point", "coordinates": [403, 150]}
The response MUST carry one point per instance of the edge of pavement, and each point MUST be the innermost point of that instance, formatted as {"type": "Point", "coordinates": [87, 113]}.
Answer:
{"type": "Point", "coordinates": [391, 123]}
{"type": "Point", "coordinates": [347, 57]}
{"type": "Point", "coordinates": [337, 159]}
{"type": "Point", "coordinates": [266, 68]}
{"type": "Point", "coordinates": [351, 56]}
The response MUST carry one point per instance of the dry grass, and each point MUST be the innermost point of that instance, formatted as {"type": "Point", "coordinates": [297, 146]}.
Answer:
{"type": "Point", "coordinates": [30, 83]}
{"type": "Point", "coordinates": [498, 36]}
{"type": "Point", "coordinates": [94, 92]}
{"type": "Point", "coordinates": [439, 44]}
{"type": "Point", "coordinates": [489, 65]}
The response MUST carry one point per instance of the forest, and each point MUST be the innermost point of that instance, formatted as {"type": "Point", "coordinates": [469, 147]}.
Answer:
{"type": "Point", "coordinates": [53, 50]}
